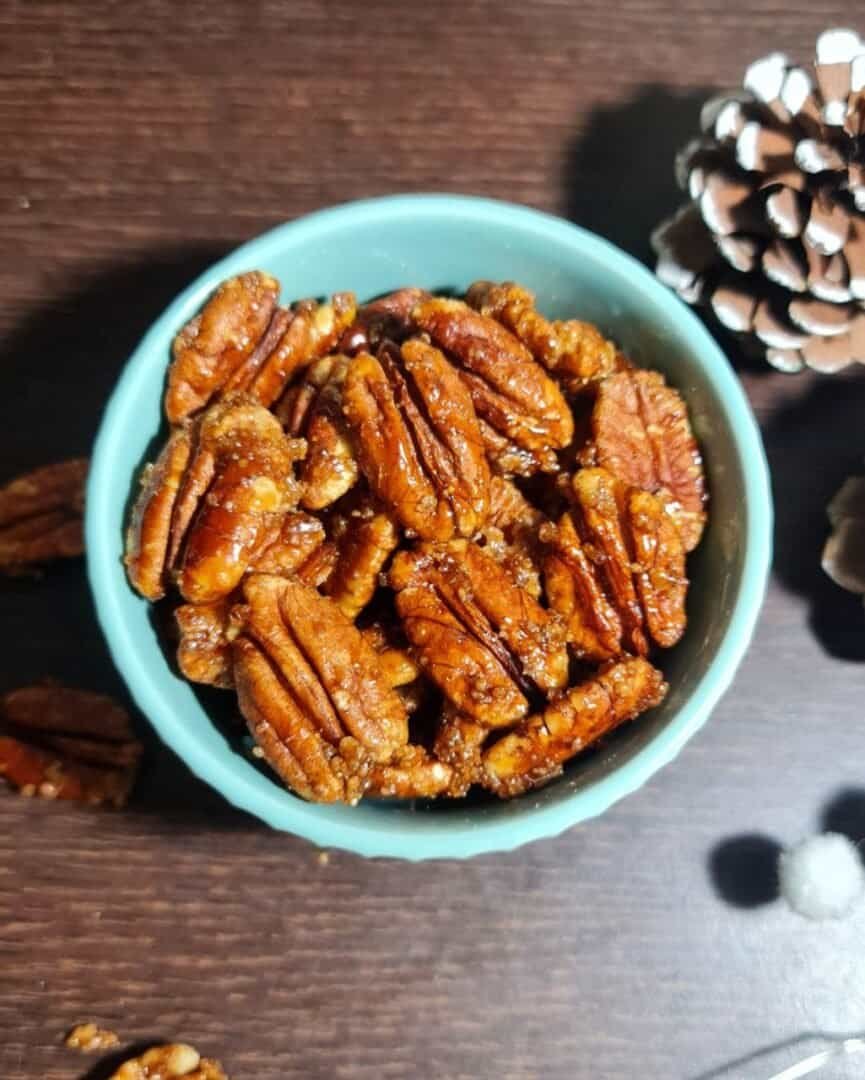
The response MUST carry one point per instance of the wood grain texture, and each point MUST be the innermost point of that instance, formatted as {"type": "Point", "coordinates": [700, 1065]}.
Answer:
{"type": "Point", "coordinates": [139, 142]}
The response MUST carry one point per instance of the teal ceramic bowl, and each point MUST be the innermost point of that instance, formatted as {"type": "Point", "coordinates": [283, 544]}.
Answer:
{"type": "Point", "coordinates": [446, 242]}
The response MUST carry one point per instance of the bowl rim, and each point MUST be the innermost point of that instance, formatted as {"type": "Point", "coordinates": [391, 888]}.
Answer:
{"type": "Point", "coordinates": [108, 580]}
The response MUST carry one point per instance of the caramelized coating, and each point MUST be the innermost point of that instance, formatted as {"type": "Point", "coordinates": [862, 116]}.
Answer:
{"type": "Point", "coordinates": [389, 318]}
{"type": "Point", "coordinates": [397, 665]}
{"type": "Point", "coordinates": [535, 751]}
{"type": "Point", "coordinates": [509, 389]}
{"type": "Point", "coordinates": [330, 468]}
{"type": "Point", "coordinates": [41, 515]}
{"type": "Point", "coordinates": [412, 774]}
{"type": "Point", "coordinates": [417, 440]}
{"type": "Point", "coordinates": [614, 568]}
{"type": "Point", "coordinates": [89, 1038]}
{"type": "Point", "coordinates": [170, 1063]}
{"type": "Point", "coordinates": [459, 744]}
{"type": "Point", "coordinates": [641, 434]}
{"type": "Point", "coordinates": [312, 692]}
{"type": "Point", "coordinates": [312, 333]}
{"type": "Point", "coordinates": [364, 549]}
{"type": "Point", "coordinates": [204, 649]}
{"type": "Point", "coordinates": [61, 743]}
{"type": "Point", "coordinates": [511, 534]}
{"type": "Point", "coordinates": [507, 459]}
{"type": "Point", "coordinates": [299, 538]}
{"type": "Point", "coordinates": [217, 341]}
{"type": "Point", "coordinates": [576, 352]}
{"type": "Point", "coordinates": [319, 566]}
{"type": "Point", "coordinates": [484, 641]}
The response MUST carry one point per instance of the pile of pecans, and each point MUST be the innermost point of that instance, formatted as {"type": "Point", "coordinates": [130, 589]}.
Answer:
{"type": "Point", "coordinates": [430, 542]}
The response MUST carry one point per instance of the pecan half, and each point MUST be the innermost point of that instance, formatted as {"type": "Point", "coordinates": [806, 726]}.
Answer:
{"type": "Point", "coordinates": [535, 751]}
{"type": "Point", "coordinates": [224, 334]}
{"type": "Point", "coordinates": [168, 1063]}
{"type": "Point", "coordinates": [576, 352]}
{"type": "Point", "coordinates": [41, 515]}
{"type": "Point", "coordinates": [312, 332]}
{"type": "Point", "coordinates": [61, 743]}
{"type": "Point", "coordinates": [509, 389]}
{"type": "Point", "coordinates": [417, 439]}
{"type": "Point", "coordinates": [615, 569]}
{"type": "Point", "coordinates": [312, 692]}
{"type": "Point", "coordinates": [397, 664]}
{"type": "Point", "coordinates": [364, 548]}
{"type": "Point", "coordinates": [389, 318]}
{"type": "Point", "coordinates": [204, 649]}
{"type": "Point", "coordinates": [511, 534]}
{"type": "Point", "coordinates": [214, 500]}
{"type": "Point", "coordinates": [481, 638]}
{"type": "Point", "coordinates": [641, 434]}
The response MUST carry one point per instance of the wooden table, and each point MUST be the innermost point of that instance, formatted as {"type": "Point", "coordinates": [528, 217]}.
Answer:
{"type": "Point", "coordinates": [141, 141]}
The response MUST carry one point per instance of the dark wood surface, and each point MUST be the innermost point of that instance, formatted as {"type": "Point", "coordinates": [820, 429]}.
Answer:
{"type": "Point", "coordinates": [140, 141]}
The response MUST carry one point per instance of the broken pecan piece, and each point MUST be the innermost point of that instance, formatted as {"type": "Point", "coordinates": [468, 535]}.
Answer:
{"type": "Point", "coordinates": [459, 744]}
{"type": "Point", "coordinates": [615, 569]}
{"type": "Point", "coordinates": [90, 1038]}
{"type": "Point", "coordinates": [535, 751]}
{"type": "Point", "coordinates": [576, 352]}
{"type": "Point", "coordinates": [330, 468]}
{"type": "Point", "coordinates": [312, 692]}
{"type": "Point", "coordinates": [412, 773]}
{"type": "Point", "coordinates": [641, 434]}
{"type": "Point", "coordinates": [41, 515]}
{"type": "Point", "coordinates": [387, 318]}
{"type": "Point", "coordinates": [509, 389]}
{"type": "Point", "coordinates": [61, 743]}
{"type": "Point", "coordinates": [417, 439]}
{"type": "Point", "coordinates": [217, 341]}
{"type": "Point", "coordinates": [215, 499]}
{"type": "Point", "coordinates": [170, 1063]}
{"type": "Point", "coordinates": [483, 640]}
{"type": "Point", "coordinates": [204, 649]}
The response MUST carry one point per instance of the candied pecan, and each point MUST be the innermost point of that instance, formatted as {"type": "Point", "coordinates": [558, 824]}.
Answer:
{"type": "Point", "coordinates": [397, 665]}
{"type": "Point", "coordinates": [329, 469]}
{"type": "Point", "coordinates": [641, 434]}
{"type": "Point", "coordinates": [511, 534]}
{"type": "Point", "coordinates": [535, 751]}
{"type": "Point", "coordinates": [89, 1038]}
{"type": "Point", "coordinates": [299, 538]}
{"type": "Point", "coordinates": [412, 773]}
{"type": "Point", "coordinates": [615, 569]}
{"type": "Point", "coordinates": [365, 547]}
{"type": "Point", "coordinates": [312, 692]}
{"type": "Point", "coordinates": [61, 743]}
{"type": "Point", "coordinates": [218, 340]}
{"type": "Point", "coordinates": [41, 515]}
{"type": "Point", "coordinates": [319, 566]}
{"type": "Point", "coordinates": [459, 744]}
{"type": "Point", "coordinates": [509, 389]}
{"type": "Point", "coordinates": [387, 318]}
{"type": "Point", "coordinates": [214, 500]}
{"type": "Point", "coordinates": [204, 649]}
{"type": "Point", "coordinates": [483, 640]}
{"type": "Point", "coordinates": [312, 332]}
{"type": "Point", "coordinates": [508, 459]}
{"type": "Point", "coordinates": [417, 439]}
{"type": "Point", "coordinates": [576, 352]}
{"type": "Point", "coordinates": [168, 1063]}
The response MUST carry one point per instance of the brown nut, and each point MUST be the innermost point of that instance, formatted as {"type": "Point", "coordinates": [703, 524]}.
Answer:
{"type": "Point", "coordinates": [641, 433]}
{"type": "Point", "coordinates": [386, 319]}
{"type": "Point", "coordinates": [312, 692]}
{"type": "Point", "coordinates": [459, 744]}
{"type": "Point", "coordinates": [510, 391]}
{"type": "Point", "coordinates": [210, 348]}
{"type": "Point", "coordinates": [170, 1063]}
{"type": "Point", "coordinates": [41, 515]}
{"type": "Point", "coordinates": [204, 649]}
{"type": "Point", "coordinates": [535, 751]}
{"type": "Point", "coordinates": [412, 773]}
{"type": "Point", "coordinates": [364, 548]}
{"type": "Point", "coordinates": [614, 568]}
{"type": "Point", "coordinates": [483, 640]}
{"type": "Point", "coordinates": [215, 499]}
{"type": "Point", "coordinates": [60, 743]}
{"type": "Point", "coordinates": [417, 439]}
{"type": "Point", "coordinates": [576, 352]}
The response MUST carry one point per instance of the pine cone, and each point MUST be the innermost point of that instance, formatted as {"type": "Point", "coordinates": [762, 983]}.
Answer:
{"type": "Point", "coordinates": [773, 240]}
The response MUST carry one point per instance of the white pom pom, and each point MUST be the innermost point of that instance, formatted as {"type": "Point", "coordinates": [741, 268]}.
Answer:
{"type": "Point", "coordinates": [822, 877]}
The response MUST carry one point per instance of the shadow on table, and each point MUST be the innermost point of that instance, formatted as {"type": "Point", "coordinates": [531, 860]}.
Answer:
{"type": "Point", "coordinates": [744, 870]}
{"type": "Point", "coordinates": [813, 443]}
{"type": "Point", "coordinates": [765, 1057]}
{"type": "Point", "coordinates": [845, 814]}
{"type": "Point", "coordinates": [107, 1066]}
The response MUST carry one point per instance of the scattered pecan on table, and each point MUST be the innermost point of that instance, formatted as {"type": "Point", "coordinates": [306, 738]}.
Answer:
{"type": "Point", "coordinates": [431, 543]}
{"type": "Point", "coordinates": [61, 743]}
{"type": "Point", "coordinates": [41, 516]}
